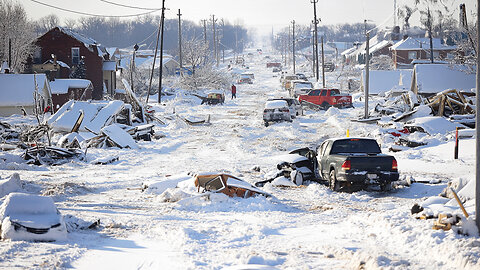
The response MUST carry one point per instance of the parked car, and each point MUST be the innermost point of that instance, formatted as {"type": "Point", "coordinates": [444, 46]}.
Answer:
{"type": "Point", "coordinates": [294, 106]}
{"type": "Point", "coordinates": [276, 111]}
{"type": "Point", "coordinates": [355, 163]}
{"type": "Point", "coordinates": [329, 67]}
{"type": "Point", "coordinates": [244, 80]}
{"type": "Point", "coordinates": [31, 217]}
{"type": "Point", "coordinates": [301, 76]}
{"type": "Point", "coordinates": [276, 69]}
{"type": "Point", "coordinates": [326, 98]}
{"type": "Point", "coordinates": [300, 87]}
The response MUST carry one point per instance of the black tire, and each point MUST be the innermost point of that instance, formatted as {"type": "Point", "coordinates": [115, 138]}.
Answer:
{"type": "Point", "coordinates": [266, 123]}
{"type": "Point", "coordinates": [325, 105]}
{"type": "Point", "coordinates": [332, 181]}
{"type": "Point", "coordinates": [387, 186]}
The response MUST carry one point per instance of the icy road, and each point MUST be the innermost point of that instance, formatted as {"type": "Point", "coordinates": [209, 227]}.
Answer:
{"type": "Point", "coordinates": [300, 228]}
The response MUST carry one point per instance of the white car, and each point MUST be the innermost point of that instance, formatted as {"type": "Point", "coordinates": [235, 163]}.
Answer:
{"type": "Point", "coordinates": [31, 217]}
{"type": "Point", "coordinates": [276, 111]}
{"type": "Point", "coordinates": [294, 106]}
{"type": "Point", "coordinates": [299, 87]}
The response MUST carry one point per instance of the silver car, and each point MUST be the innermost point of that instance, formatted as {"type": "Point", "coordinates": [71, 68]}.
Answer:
{"type": "Point", "coordinates": [276, 111]}
{"type": "Point", "coordinates": [294, 106]}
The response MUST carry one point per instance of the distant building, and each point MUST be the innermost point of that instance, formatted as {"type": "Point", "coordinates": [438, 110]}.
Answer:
{"type": "Point", "coordinates": [410, 49]}
{"type": "Point", "coordinates": [69, 47]}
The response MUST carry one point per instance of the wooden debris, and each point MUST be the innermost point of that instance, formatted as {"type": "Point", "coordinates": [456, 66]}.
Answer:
{"type": "Point", "coordinates": [450, 102]}
{"type": "Point", "coordinates": [47, 155]}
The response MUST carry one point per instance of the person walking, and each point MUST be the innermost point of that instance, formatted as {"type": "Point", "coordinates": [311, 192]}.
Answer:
{"type": "Point", "coordinates": [234, 91]}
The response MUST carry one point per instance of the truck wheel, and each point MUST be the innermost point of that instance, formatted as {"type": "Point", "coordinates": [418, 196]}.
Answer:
{"type": "Point", "coordinates": [332, 181]}
{"type": "Point", "coordinates": [325, 105]}
{"type": "Point", "coordinates": [387, 186]}
{"type": "Point", "coordinates": [266, 123]}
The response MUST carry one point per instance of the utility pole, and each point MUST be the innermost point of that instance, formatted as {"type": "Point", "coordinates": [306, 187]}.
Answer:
{"type": "Point", "coordinates": [367, 70]}
{"type": "Point", "coordinates": [223, 41]}
{"type": "Point", "coordinates": [315, 21]}
{"type": "Point", "coordinates": [430, 34]}
{"type": "Point", "coordinates": [180, 41]}
{"type": "Point", "coordinates": [161, 54]}
{"type": "Point", "coordinates": [293, 45]}
{"type": "Point", "coordinates": [10, 54]}
{"type": "Point", "coordinates": [323, 65]}
{"type": "Point", "coordinates": [394, 13]}
{"type": "Point", "coordinates": [313, 52]}
{"type": "Point", "coordinates": [214, 39]}
{"type": "Point", "coordinates": [132, 68]}
{"type": "Point", "coordinates": [477, 130]}
{"type": "Point", "coordinates": [154, 58]}
{"type": "Point", "coordinates": [205, 38]}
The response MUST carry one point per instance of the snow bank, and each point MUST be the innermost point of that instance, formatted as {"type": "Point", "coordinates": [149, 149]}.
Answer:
{"type": "Point", "coordinates": [434, 125]}
{"type": "Point", "coordinates": [10, 185]}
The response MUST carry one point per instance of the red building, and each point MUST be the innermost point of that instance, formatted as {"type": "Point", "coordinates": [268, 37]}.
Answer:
{"type": "Point", "coordinates": [69, 47]}
{"type": "Point", "coordinates": [410, 49]}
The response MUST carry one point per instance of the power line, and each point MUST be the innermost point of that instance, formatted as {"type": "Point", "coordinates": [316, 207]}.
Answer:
{"type": "Point", "coordinates": [122, 5]}
{"type": "Point", "coordinates": [90, 14]}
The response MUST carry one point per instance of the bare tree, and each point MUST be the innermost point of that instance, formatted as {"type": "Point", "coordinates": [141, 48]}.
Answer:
{"type": "Point", "coordinates": [46, 23]}
{"type": "Point", "coordinates": [15, 28]}
{"type": "Point", "coordinates": [194, 53]}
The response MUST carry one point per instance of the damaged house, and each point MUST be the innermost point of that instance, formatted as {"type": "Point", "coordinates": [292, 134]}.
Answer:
{"type": "Point", "coordinates": [24, 93]}
{"type": "Point", "coordinates": [62, 45]}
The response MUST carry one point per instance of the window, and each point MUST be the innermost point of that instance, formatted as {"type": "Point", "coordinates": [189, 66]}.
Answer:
{"type": "Point", "coordinates": [75, 56]}
{"type": "Point", "coordinates": [324, 93]}
{"type": "Point", "coordinates": [412, 55]}
{"type": "Point", "coordinates": [37, 56]}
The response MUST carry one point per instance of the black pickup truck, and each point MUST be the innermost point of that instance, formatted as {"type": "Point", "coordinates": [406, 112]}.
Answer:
{"type": "Point", "coordinates": [354, 163]}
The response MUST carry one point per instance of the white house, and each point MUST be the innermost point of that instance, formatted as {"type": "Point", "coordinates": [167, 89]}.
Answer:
{"type": "Point", "coordinates": [429, 79]}
{"type": "Point", "coordinates": [381, 81]}
{"type": "Point", "coordinates": [18, 92]}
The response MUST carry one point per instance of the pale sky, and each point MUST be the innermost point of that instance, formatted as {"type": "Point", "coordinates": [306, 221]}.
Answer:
{"type": "Point", "coordinates": [263, 14]}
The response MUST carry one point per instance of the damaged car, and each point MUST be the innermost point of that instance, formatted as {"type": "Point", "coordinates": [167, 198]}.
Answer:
{"type": "Point", "coordinates": [226, 184]}
{"type": "Point", "coordinates": [31, 217]}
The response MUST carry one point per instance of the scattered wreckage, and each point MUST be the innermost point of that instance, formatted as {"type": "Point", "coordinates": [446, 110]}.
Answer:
{"type": "Point", "coordinates": [226, 184]}
{"type": "Point", "coordinates": [294, 169]}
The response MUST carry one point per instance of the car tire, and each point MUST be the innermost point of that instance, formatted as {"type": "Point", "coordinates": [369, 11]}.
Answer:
{"type": "Point", "coordinates": [325, 105]}
{"type": "Point", "coordinates": [332, 180]}
{"type": "Point", "coordinates": [387, 186]}
{"type": "Point", "coordinates": [266, 123]}
{"type": "Point", "coordinates": [297, 177]}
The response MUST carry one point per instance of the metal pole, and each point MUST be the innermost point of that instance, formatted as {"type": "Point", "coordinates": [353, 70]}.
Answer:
{"type": "Point", "coordinates": [293, 45]}
{"type": "Point", "coordinates": [477, 130]}
{"type": "Point", "coordinates": [367, 73]}
{"type": "Point", "coordinates": [323, 65]}
{"type": "Point", "coordinates": [315, 21]}
{"type": "Point", "coordinates": [180, 40]}
{"type": "Point", "coordinates": [154, 58]}
{"type": "Point", "coordinates": [161, 55]}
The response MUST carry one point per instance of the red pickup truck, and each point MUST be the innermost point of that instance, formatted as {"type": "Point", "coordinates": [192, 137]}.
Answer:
{"type": "Point", "coordinates": [326, 98]}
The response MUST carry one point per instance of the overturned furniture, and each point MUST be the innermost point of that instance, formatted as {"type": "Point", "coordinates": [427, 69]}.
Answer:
{"type": "Point", "coordinates": [227, 184]}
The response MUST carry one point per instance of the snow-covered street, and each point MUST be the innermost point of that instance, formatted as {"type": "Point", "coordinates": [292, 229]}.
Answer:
{"type": "Point", "coordinates": [306, 227]}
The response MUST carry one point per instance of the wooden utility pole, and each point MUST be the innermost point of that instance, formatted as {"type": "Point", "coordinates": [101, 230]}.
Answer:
{"type": "Point", "coordinates": [214, 39]}
{"type": "Point", "coordinates": [367, 74]}
{"type": "Point", "coordinates": [315, 22]}
{"type": "Point", "coordinates": [222, 42]}
{"type": "Point", "coordinates": [293, 45]}
{"type": "Point", "coordinates": [161, 54]}
{"type": "Point", "coordinates": [10, 54]}
{"type": "Point", "coordinates": [154, 58]}
{"type": "Point", "coordinates": [313, 52]}
{"type": "Point", "coordinates": [430, 35]}
{"type": "Point", "coordinates": [477, 130]}
{"type": "Point", "coordinates": [180, 41]}
{"type": "Point", "coordinates": [323, 65]}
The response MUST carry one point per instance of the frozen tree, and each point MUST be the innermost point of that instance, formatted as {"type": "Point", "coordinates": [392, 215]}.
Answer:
{"type": "Point", "coordinates": [206, 77]}
{"type": "Point", "coordinates": [382, 62]}
{"type": "Point", "coordinates": [195, 52]}
{"type": "Point", "coordinates": [15, 27]}
{"type": "Point", "coordinates": [46, 23]}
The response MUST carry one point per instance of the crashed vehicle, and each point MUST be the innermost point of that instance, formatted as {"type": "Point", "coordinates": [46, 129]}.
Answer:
{"type": "Point", "coordinates": [227, 184]}
{"type": "Point", "coordinates": [31, 217]}
{"type": "Point", "coordinates": [276, 111]}
{"type": "Point", "coordinates": [298, 166]}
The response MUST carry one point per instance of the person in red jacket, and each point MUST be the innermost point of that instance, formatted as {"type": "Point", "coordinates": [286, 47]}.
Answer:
{"type": "Point", "coordinates": [234, 91]}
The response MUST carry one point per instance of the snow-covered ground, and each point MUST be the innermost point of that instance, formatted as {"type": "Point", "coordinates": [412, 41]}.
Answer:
{"type": "Point", "coordinates": [307, 227]}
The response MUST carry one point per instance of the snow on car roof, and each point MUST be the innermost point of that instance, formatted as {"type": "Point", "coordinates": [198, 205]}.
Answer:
{"type": "Point", "coordinates": [290, 158]}
{"type": "Point", "coordinates": [273, 104]}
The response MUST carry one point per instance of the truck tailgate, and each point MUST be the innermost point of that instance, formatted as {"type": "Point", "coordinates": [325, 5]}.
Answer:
{"type": "Point", "coordinates": [371, 163]}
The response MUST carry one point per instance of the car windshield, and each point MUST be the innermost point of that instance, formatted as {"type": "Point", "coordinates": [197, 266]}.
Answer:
{"type": "Point", "coordinates": [355, 146]}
